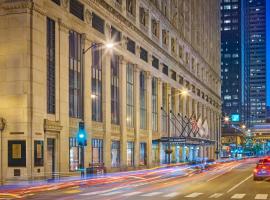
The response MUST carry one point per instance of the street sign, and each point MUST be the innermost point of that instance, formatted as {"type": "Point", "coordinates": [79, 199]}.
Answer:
{"type": "Point", "coordinates": [173, 140]}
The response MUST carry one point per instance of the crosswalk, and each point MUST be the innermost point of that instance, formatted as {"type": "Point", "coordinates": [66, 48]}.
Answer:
{"type": "Point", "coordinates": [168, 195]}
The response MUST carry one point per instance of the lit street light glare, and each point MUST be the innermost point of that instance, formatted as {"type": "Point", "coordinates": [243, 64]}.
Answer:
{"type": "Point", "coordinates": [109, 45]}
{"type": "Point", "coordinates": [226, 119]}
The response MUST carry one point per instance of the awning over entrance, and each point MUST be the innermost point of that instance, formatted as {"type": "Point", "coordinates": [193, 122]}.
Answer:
{"type": "Point", "coordinates": [186, 140]}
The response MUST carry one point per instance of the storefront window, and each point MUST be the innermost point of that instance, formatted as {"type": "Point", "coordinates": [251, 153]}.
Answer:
{"type": "Point", "coordinates": [73, 154]}
{"type": "Point", "coordinates": [143, 153]}
{"type": "Point", "coordinates": [155, 154]}
{"type": "Point", "coordinates": [97, 151]}
{"type": "Point", "coordinates": [130, 154]}
{"type": "Point", "coordinates": [115, 153]}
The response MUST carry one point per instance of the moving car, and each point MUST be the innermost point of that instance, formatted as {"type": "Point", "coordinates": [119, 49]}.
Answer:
{"type": "Point", "coordinates": [262, 170]}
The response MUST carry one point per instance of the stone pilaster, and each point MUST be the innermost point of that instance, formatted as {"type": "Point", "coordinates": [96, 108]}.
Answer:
{"type": "Point", "coordinates": [149, 118]}
{"type": "Point", "coordinates": [87, 100]}
{"type": "Point", "coordinates": [137, 114]}
{"type": "Point", "coordinates": [159, 96]}
{"type": "Point", "coordinates": [123, 112]}
{"type": "Point", "coordinates": [106, 106]}
{"type": "Point", "coordinates": [63, 97]}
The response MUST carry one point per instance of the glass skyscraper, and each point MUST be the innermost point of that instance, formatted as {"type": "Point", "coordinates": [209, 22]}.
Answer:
{"type": "Point", "coordinates": [243, 61]}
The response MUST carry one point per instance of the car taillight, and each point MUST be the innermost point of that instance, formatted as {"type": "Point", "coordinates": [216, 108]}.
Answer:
{"type": "Point", "coordinates": [255, 170]}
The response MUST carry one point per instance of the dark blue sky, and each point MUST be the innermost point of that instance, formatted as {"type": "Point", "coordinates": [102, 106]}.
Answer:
{"type": "Point", "coordinates": [268, 49]}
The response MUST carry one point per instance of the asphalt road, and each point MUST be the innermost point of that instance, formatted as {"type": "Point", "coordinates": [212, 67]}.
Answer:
{"type": "Point", "coordinates": [232, 180]}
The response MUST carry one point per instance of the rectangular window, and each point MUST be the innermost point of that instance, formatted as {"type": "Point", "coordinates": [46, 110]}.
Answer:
{"type": "Point", "coordinates": [96, 94]}
{"type": "Point", "coordinates": [76, 8]}
{"type": "Point", "coordinates": [130, 154]}
{"type": "Point", "coordinates": [155, 62]}
{"type": "Point", "coordinates": [75, 75]}
{"type": "Point", "coordinates": [16, 153]}
{"type": "Point", "coordinates": [143, 118]}
{"type": "Point", "coordinates": [50, 66]}
{"type": "Point", "coordinates": [165, 69]}
{"type": "Point", "coordinates": [98, 23]}
{"type": "Point", "coordinates": [115, 89]}
{"type": "Point", "coordinates": [143, 153]}
{"type": "Point", "coordinates": [130, 95]}
{"type": "Point", "coordinates": [56, 1]}
{"type": "Point", "coordinates": [181, 80]}
{"type": "Point", "coordinates": [73, 154]}
{"type": "Point", "coordinates": [38, 153]}
{"type": "Point", "coordinates": [115, 34]}
{"type": "Point", "coordinates": [154, 104]}
{"type": "Point", "coordinates": [144, 54]}
{"type": "Point", "coordinates": [97, 151]}
{"type": "Point", "coordinates": [173, 75]}
{"type": "Point", "coordinates": [131, 45]}
{"type": "Point", "coordinates": [115, 153]}
{"type": "Point", "coordinates": [164, 106]}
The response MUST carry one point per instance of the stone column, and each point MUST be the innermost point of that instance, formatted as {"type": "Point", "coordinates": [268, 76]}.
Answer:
{"type": "Point", "coordinates": [106, 106]}
{"type": "Point", "coordinates": [149, 118]}
{"type": "Point", "coordinates": [159, 125]}
{"type": "Point", "coordinates": [123, 112]}
{"type": "Point", "coordinates": [87, 100]}
{"type": "Point", "coordinates": [63, 97]}
{"type": "Point", "coordinates": [137, 115]}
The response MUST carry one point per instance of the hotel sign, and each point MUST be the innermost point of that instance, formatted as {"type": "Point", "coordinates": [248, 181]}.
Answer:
{"type": "Point", "coordinates": [173, 140]}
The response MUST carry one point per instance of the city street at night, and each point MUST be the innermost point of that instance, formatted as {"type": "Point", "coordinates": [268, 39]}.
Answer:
{"type": "Point", "coordinates": [229, 180]}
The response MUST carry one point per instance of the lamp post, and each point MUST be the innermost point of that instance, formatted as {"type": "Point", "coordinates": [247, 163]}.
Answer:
{"type": "Point", "coordinates": [168, 151]}
{"type": "Point", "coordinates": [2, 128]}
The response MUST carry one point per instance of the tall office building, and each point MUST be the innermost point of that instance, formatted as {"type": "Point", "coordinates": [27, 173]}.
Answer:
{"type": "Point", "coordinates": [255, 59]}
{"type": "Point", "coordinates": [231, 59]}
{"type": "Point", "coordinates": [243, 61]}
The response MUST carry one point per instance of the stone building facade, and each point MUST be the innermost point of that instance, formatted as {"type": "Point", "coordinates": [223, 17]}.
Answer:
{"type": "Point", "coordinates": [50, 81]}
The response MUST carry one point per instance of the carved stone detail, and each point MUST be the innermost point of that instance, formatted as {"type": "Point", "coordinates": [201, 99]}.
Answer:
{"type": "Point", "coordinates": [88, 16]}
{"type": "Point", "coordinates": [50, 125]}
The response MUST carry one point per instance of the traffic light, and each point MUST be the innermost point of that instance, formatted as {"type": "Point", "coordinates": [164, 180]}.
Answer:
{"type": "Point", "coordinates": [81, 135]}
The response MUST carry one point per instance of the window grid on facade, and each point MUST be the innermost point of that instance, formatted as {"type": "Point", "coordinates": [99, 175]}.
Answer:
{"type": "Point", "coordinates": [154, 104]}
{"type": "Point", "coordinates": [143, 100]}
{"type": "Point", "coordinates": [97, 151]}
{"type": "Point", "coordinates": [98, 23]}
{"type": "Point", "coordinates": [115, 153]}
{"type": "Point", "coordinates": [143, 54]}
{"type": "Point", "coordinates": [96, 94]}
{"type": "Point", "coordinates": [50, 66]}
{"type": "Point", "coordinates": [164, 106]}
{"type": "Point", "coordinates": [165, 69]}
{"type": "Point", "coordinates": [76, 8]}
{"type": "Point", "coordinates": [155, 62]}
{"type": "Point", "coordinates": [131, 45]}
{"type": "Point", "coordinates": [57, 2]}
{"type": "Point", "coordinates": [130, 95]}
{"type": "Point", "coordinates": [75, 75]}
{"type": "Point", "coordinates": [115, 89]}
{"type": "Point", "coordinates": [143, 154]}
{"type": "Point", "coordinates": [115, 34]}
{"type": "Point", "coordinates": [130, 154]}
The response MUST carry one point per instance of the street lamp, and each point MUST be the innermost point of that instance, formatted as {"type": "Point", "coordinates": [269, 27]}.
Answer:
{"type": "Point", "coordinates": [108, 45]}
{"type": "Point", "coordinates": [168, 151]}
{"type": "Point", "coordinates": [226, 119]}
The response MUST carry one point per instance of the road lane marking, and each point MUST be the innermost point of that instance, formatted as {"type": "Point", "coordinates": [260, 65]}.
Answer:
{"type": "Point", "coordinates": [238, 196]}
{"type": "Point", "coordinates": [131, 194]}
{"type": "Point", "coordinates": [72, 191]}
{"type": "Point", "coordinates": [216, 195]}
{"type": "Point", "coordinates": [194, 195]}
{"type": "Point", "coordinates": [261, 196]}
{"type": "Point", "coordinates": [173, 194]}
{"type": "Point", "coordinates": [238, 184]}
{"type": "Point", "coordinates": [111, 193]}
{"type": "Point", "coordinates": [94, 193]}
{"type": "Point", "coordinates": [151, 194]}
